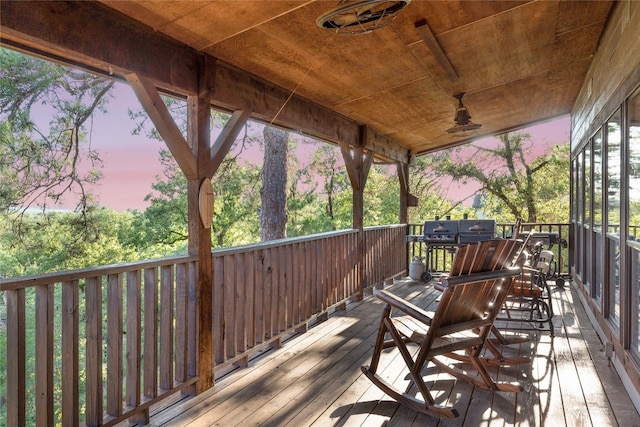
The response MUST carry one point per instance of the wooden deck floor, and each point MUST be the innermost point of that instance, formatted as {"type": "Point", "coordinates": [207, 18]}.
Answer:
{"type": "Point", "coordinates": [314, 379]}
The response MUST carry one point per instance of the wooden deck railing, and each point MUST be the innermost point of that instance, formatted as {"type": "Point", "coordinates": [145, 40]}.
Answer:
{"type": "Point", "coordinates": [385, 253]}
{"type": "Point", "coordinates": [98, 345]}
{"type": "Point", "coordinates": [441, 257]}
{"type": "Point", "coordinates": [264, 291]}
{"type": "Point", "coordinates": [102, 345]}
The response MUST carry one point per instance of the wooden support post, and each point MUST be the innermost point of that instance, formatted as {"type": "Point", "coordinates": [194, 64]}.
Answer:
{"type": "Point", "coordinates": [358, 164]}
{"type": "Point", "coordinates": [199, 114]}
{"type": "Point", "coordinates": [403, 176]}
{"type": "Point", "coordinates": [405, 197]}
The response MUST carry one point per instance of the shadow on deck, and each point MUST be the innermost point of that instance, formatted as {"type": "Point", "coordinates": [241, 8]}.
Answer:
{"type": "Point", "coordinates": [314, 379]}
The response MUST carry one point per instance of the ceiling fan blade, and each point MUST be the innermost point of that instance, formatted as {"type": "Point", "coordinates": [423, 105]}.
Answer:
{"type": "Point", "coordinates": [346, 18]}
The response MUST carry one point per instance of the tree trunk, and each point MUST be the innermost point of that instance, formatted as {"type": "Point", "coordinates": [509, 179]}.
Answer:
{"type": "Point", "coordinates": [273, 195]}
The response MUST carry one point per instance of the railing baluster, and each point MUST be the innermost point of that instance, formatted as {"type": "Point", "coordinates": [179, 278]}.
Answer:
{"type": "Point", "coordinates": [134, 320]}
{"type": "Point", "coordinates": [240, 307]}
{"type": "Point", "coordinates": [70, 368]}
{"type": "Point", "coordinates": [305, 293]}
{"type": "Point", "coordinates": [218, 310]}
{"type": "Point", "coordinates": [93, 349]}
{"type": "Point", "coordinates": [269, 283]}
{"type": "Point", "coordinates": [281, 296]}
{"type": "Point", "coordinates": [249, 280]}
{"type": "Point", "coordinates": [16, 385]}
{"type": "Point", "coordinates": [150, 333]}
{"type": "Point", "coordinates": [258, 262]}
{"type": "Point", "coordinates": [192, 320]}
{"type": "Point", "coordinates": [296, 284]}
{"type": "Point", "coordinates": [44, 355]}
{"type": "Point", "coordinates": [181, 331]}
{"type": "Point", "coordinates": [114, 344]}
{"type": "Point", "coordinates": [229, 307]}
{"type": "Point", "coordinates": [166, 327]}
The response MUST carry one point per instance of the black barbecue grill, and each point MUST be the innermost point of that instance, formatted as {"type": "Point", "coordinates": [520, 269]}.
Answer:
{"type": "Point", "coordinates": [449, 234]}
{"type": "Point", "coordinates": [475, 230]}
{"type": "Point", "coordinates": [445, 231]}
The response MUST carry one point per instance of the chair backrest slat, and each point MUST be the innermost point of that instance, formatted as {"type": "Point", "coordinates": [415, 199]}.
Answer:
{"type": "Point", "coordinates": [473, 301]}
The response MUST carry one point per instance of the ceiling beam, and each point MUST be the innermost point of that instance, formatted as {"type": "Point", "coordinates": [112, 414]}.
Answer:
{"type": "Point", "coordinates": [159, 114]}
{"type": "Point", "coordinates": [223, 143]}
{"type": "Point", "coordinates": [117, 46]}
{"type": "Point", "coordinates": [434, 46]}
{"type": "Point", "coordinates": [90, 36]}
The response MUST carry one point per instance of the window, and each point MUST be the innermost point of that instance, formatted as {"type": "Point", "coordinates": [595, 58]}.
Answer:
{"type": "Point", "coordinates": [634, 168]}
{"type": "Point", "coordinates": [597, 181]}
{"type": "Point", "coordinates": [613, 174]}
{"type": "Point", "coordinates": [587, 186]}
{"type": "Point", "coordinates": [596, 250]}
{"type": "Point", "coordinates": [634, 212]}
{"type": "Point", "coordinates": [614, 168]}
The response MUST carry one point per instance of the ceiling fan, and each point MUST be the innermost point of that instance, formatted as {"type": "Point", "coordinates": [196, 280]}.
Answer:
{"type": "Point", "coordinates": [462, 120]}
{"type": "Point", "coordinates": [361, 16]}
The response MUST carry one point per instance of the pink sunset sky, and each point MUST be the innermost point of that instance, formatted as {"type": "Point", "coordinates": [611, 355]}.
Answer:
{"type": "Point", "coordinates": [131, 163]}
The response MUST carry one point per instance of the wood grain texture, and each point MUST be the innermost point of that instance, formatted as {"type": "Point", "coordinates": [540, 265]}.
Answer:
{"type": "Point", "coordinates": [294, 74]}
{"type": "Point", "coordinates": [314, 380]}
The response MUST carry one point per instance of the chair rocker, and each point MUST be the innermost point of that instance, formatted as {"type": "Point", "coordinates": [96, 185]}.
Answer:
{"type": "Point", "coordinates": [462, 321]}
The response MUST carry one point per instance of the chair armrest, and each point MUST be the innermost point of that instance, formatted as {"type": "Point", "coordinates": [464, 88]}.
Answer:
{"type": "Point", "coordinates": [404, 306]}
{"type": "Point", "coordinates": [480, 277]}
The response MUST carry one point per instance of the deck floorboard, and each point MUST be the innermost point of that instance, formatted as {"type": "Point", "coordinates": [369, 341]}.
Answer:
{"type": "Point", "coordinates": [314, 379]}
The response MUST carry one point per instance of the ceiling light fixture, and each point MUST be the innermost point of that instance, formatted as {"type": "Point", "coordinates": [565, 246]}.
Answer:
{"type": "Point", "coordinates": [361, 16]}
{"type": "Point", "coordinates": [462, 120]}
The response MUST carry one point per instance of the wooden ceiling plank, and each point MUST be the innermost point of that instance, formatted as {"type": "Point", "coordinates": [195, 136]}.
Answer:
{"type": "Point", "coordinates": [269, 18]}
{"type": "Point", "coordinates": [339, 82]}
{"type": "Point", "coordinates": [159, 114]}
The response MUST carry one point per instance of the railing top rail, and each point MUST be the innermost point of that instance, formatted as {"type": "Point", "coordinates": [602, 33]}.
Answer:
{"type": "Point", "coordinates": [537, 224]}
{"type": "Point", "coordinates": [281, 242]}
{"type": "Point", "coordinates": [509, 224]}
{"type": "Point", "coordinates": [47, 278]}
{"type": "Point", "coordinates": [384, 227]}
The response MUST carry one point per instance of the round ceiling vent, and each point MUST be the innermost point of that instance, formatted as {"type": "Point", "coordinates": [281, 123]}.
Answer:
{"type": "Point", "coordinates": [361, 16]}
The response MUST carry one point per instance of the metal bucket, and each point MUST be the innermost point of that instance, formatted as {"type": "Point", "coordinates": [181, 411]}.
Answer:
{"type": "Point", "coordinates": [416, 268]}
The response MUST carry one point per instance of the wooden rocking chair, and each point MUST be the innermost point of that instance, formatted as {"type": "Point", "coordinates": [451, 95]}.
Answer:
{"type": "Point", "coordinates": [463, 319]}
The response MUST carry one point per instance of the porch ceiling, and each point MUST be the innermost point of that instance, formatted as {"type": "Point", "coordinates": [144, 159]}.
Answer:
{"type": "Point", "coordinates": [519, 62]}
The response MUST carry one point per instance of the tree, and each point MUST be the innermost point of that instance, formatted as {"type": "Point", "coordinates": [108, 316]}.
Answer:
{"type": "Point", "coordinates": [508, 174]}
{"type": "Point", "coordinates": [302, 200]}
{"type": "Point", "coordinates": [381, 196]}
{"type": "Point", "coordinates": [42, 162]}
{"type": "Point", "coordinates": [55, 241]}
{"type": "Point", "coordinates": [326, 165]}
{"type": "Point", "coordinates": [430, 189]}
{"type": "Point", "coordinates": [163, 226]}
{"type": "Point", "coordinates": [273, 194]}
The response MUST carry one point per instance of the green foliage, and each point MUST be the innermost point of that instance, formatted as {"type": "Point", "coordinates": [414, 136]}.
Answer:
{"type": "Point", "coordinates": [39, 163]}
{"type": "Point", "coordinates": [57, 241]}
{"type": "Point", "coordinates": [162, 228]}
{"type": "Point", "coordinates": [514, 182]}
{"type": "Point", "coordinates": [381, 196]}
{"type": "Point", "coordinates": [428, 188]}
{"type": "Point", "coordinates": [237, 200]}
{"type": "Point", "coordinates": [301, 200]}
